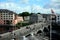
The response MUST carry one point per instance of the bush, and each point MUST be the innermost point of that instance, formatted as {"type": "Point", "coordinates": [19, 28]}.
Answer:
{"type": "Point", "coordinates": [22, 24]}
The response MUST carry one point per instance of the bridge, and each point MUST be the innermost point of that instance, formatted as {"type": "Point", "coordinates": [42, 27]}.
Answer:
{"type": "Point", "coordinates": [30, 29]}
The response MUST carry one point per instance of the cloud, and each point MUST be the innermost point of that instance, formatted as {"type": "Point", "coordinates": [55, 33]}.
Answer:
{"type": "Point", "coordinates": [55, 0]}
{"type": "Point", "coordinates": [37, 9]}
{"type": "Point", "coordinates": [14, 7]}
{"type": "Point", "coordinates": [54, 4]}
{"type": "Point", "coordinates": [38, 0]}
{"type": "Point", "coordinates": [18, 1]}
{"type": "Point", "coordinates": [18, 9]}
{"type": "Point", "coordinates": [11, 6]}
{"type": "Point", "coordinates": [24, 2]}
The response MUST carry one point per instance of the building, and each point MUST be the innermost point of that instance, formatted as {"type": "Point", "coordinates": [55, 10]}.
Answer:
{"type": "Point", "coordinates": [53, 18]}
{"type": "Point", "coordinates": [8, 17]}
{"type": "Point", "coordinates": [58, 18]}
{"type": "Point", "coordinates": [26, 18]}
{"type": "Point", "coordinates": [47, 17]}
{"type": "Point", "coordinates": [8, 20]}
{"type": "Point", "coordinates": [35, 18]}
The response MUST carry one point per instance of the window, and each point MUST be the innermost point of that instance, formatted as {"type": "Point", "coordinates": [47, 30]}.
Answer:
{"type": "Point", "coordinates": [7, 22]}
{"type": "Point", "coordinates": [4, 16]}
{"type": "Point", "coordinates": [11, 16]}
{"type": "Point", "coordinates": [4, 20]}
{"type": "Point", "coordinates": [1, 16]}
{"type": "Point", "coordinates": [58, 16]}
{"type": "Point", "coordinates": [1, 13]}
{"type": "Point", "coordinates": [11, 20]}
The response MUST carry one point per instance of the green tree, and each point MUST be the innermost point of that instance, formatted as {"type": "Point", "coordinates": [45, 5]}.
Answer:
{"type": "Point", "coordinates": [38, 13]}
{"type": "Point", "coordinates": [9, 22]}
{"type": "Point", "coordinates": [19, 24]}
{"type": "Point", "coordinates": [24, 14]}
{"type": "Point", "coordinates": [31, 13]}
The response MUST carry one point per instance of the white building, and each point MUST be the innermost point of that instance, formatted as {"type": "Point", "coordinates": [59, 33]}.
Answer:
{"type": "Point", "coordinates": [58, 18]}
{"type": "Point", "coordinates": [34, 18]}
{"type": "Point", "coordinates": [48, 17]}
{"type": "Point", "coordinates": [26, 18]}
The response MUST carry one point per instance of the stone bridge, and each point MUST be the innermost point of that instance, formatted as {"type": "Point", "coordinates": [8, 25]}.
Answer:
{"type": "Point", "coordinates": [30, 29]}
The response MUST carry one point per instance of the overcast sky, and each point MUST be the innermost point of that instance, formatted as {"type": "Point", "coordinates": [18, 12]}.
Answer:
{"type": "Point", "coordinates": [43, 6]}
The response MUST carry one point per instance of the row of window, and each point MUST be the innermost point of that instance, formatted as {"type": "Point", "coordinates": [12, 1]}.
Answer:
{"type": "Point", "coordinates": [7, 22]}
{"type": "Point", "coordinates": [7, 16]}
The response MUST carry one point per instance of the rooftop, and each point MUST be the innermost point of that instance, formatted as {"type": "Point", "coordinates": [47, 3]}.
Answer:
{"type": "Point", "coordinates": [6, 11]}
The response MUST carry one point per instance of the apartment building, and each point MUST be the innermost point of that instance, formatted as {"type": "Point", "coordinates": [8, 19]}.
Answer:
{"type": "Point", "coordinates": [35, 18]}
{"type": "Point", "coordinates": [8, 17]}
{"type": "Point", "coordinates": [47, 17]}
{"type": "Point", "coordinates": [58, 18]}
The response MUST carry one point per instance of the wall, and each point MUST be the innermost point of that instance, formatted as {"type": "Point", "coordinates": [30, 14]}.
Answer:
{"type": "Point", "coordinates": [36, 18]}
{"type": "Point", "coordinates": [26, 18]}
{"type": "Point", "coordinates": [18, 19]}
{"type": "Point", "coordinates": [58, 18]}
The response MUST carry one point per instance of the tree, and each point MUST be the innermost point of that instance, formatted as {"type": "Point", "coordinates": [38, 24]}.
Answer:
{"type": "Point", "coordinates": [19, 24]}
{"type": "Point", "coordinates": [24, 14]}
{"type": "Point", "coordinates": [38, 13]}
{"type": "Point", "coordinates": [31, 13]}
{"type": "Point", "coordinates": [9, 22]}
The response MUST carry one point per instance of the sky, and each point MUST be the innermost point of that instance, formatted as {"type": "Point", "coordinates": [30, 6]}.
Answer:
{"type": "Point", "coordinates": [35, 6]}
